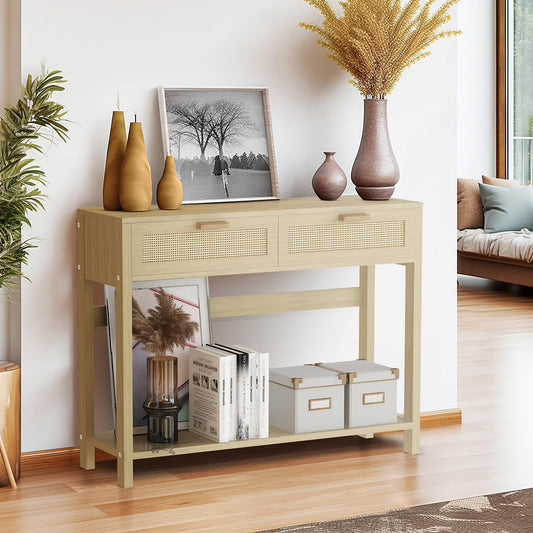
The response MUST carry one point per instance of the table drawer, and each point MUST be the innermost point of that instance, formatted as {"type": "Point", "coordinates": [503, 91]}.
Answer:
{"type": "Point", "coordinates": [341, 237]}
{"type": "Point", "coordinates": [204, 246]}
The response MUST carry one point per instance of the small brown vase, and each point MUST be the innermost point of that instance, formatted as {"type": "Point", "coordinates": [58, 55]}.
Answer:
{"type": "Point", "coordinates": [329, 181]}
{"type": "Point", "coordinates": [115, 154]}
{"type": "Point", "coordinates": [169, 188]}
{"type": "Point", "coordinates": [135, 173]}
{"type": "Point", "coordinates": [375, 170]}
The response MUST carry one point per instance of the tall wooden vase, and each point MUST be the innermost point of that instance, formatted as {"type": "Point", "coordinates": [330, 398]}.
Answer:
{"type": "Point", "coordinates": [169, 188]}
{"type": "Point", "coordinates": [375, 170]}
{"type": "Point", "coordinates": [115, 154]}
{"type": "Point", "coordinates": [135, 173]}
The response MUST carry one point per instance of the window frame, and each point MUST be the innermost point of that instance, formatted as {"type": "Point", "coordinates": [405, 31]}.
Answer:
{"type": "Point", "coordinates": [501, 88]}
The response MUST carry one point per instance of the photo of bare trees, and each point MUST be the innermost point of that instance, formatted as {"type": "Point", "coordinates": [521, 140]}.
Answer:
{"type": "Point", "coordinates": [221, 140]}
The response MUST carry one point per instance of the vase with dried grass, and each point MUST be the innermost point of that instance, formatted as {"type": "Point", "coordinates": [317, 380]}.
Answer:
{"type": "Point", "coordinates": [164, 327]}
{"type": "Point", "coordinates": [375, 41]}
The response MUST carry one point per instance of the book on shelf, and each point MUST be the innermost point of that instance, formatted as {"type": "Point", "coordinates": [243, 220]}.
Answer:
{"type": "Point", "coordinates": [258, 390]}
{"type": "Point", "coordinates": [210, 376]}
{"type": "Point", "coordinates": [231, 384]}
{"type": "Point", "coordinates": [242, 389]}
{"type": "Point", "coordinates": [261, 391]}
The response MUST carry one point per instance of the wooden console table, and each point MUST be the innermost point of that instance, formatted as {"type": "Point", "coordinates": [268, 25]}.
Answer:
{"type": "Point", "coordinates": [118, 248]}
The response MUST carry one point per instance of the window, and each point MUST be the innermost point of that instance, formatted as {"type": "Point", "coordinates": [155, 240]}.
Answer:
{"type": "Point", "coordinates": [514, 90]}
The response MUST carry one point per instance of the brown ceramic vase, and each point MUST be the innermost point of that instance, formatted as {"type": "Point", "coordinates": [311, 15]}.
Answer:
{"type": "Point", "coordinates": [375, 170]}
{"type": "Point", "coordinates": [115, 154]}
{"type": "Point", "coordinates": [329, 181]}
{"type": "Point", "coordinates": [135, 173]}
{"type": "Point", "coordinates": [169, 188]}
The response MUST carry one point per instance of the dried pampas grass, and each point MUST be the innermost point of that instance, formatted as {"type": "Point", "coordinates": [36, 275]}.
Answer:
{"type": "Point", "coordinates": [376, 40]}
{"type": "Point", "coordinates": [165, 326]}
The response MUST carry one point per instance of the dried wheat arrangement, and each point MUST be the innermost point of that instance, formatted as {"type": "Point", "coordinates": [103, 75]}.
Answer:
{"type": "Point", "coordinates": [376, 40]}
{"type": "Point", "coordinates": [165, 326]}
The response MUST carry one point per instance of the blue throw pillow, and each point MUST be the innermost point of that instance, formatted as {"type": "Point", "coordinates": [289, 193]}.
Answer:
{"type": "Point", "coordinates": [506, 209]}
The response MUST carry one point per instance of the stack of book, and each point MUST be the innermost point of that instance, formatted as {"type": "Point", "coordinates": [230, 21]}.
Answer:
{"type": "Point", "coordinates": [228, 392]}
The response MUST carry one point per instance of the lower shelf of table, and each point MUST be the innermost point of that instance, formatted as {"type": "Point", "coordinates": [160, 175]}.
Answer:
{"type": "Point", "coordinates": [189, 442]}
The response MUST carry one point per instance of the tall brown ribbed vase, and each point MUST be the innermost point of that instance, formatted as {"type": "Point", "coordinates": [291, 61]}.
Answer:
{"type": "Point", "coordinates": [169, 189]}
{"type": "Point", "coordinates": [375, 170]}
{"type": "Point", "coordinates": [135, 173]}
{"type": "Point", "coordinates": [115, 154]}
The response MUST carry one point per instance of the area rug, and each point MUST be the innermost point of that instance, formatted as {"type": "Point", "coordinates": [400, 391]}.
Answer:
{"type": "Point", "coordinates": [507, 512]}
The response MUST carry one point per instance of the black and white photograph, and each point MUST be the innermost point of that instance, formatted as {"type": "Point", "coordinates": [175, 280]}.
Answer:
{"type": "Point", "coordinates": [221, 140]}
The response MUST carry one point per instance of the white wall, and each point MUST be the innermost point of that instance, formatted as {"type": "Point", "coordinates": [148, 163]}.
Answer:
{"type": "Point", "coordinates": [133, 46]}
{"type": "Point", "coordinates": [476, 89]}
{"type": "Point", "coordinates": [9, 84]}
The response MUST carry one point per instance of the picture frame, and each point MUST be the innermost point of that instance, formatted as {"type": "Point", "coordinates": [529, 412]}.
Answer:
{"type": "Point", "coordinates": [193, 295]}
{"type": "Point", "coordinates": [221, 140]}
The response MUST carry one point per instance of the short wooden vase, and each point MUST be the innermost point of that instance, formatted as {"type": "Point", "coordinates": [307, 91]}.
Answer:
{"type": "Point", "coordinates": [169, 188]}
{"type": "Point", "coordinates": [135, 173]}
{"type": "Point", "coordinates": [115, 155]}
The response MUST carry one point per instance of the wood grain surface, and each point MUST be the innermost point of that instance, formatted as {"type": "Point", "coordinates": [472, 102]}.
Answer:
{"type": "Point", "coordinates": [9, 423]}
{"type": "Point", "coordinates": [253, 489]}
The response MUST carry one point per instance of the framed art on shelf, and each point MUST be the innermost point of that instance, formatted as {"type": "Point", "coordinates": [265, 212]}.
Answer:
{"type": "Point", "coordinates": [189, 295]}
{"type": "Point", "coordinates": [221, 140]}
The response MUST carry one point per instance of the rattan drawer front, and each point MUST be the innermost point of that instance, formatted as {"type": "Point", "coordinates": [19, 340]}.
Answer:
{"type": "Point", "coordinates": [337, 239]}
{"type": "Point", "coordinates": [213, 244]}
{"type": "Point", "coordinates": [347, 236]}
{"type": "Point", "coordinates": [165, 247]}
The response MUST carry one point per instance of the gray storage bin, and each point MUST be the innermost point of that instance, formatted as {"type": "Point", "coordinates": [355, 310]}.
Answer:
{"type": "Point", "coordinates": [306, 398]}
{"type": "Point", "coordinates": [370, 393]}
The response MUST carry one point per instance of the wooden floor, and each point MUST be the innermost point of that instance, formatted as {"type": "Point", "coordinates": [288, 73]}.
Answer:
{"type": "Point", "coordinates": [246, 491]}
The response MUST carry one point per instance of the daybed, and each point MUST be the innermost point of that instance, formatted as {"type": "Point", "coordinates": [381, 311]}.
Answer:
{"type": "Point", "coordinates": [484, 251]}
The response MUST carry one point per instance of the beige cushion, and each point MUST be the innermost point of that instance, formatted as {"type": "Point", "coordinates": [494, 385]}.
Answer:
{"type": "Point", "coordinates": [469, 208]}
{"type": "Point", "coordinates": [500, 182]}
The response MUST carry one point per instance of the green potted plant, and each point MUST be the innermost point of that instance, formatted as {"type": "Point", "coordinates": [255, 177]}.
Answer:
{"type": "Point", "coordinates": [35, 120]}
{"type": "Point", "coordinates": [375, 41]}
{"type": "Point", "coordinates": [23, 128]}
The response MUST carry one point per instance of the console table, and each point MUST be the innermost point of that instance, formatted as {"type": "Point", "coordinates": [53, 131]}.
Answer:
{"type": "Point", "coordinates": [118, 248]}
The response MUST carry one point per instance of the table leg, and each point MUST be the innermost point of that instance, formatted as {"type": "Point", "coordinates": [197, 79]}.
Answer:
{"type": "Point", "coordinates": [86, 356]}
{"type": "Point", "coordinates": [412, 356]}
{"type": "Point", "coordinates": [125, 472]}
{"type": "Point", "coordinates": [367, 283]}
{"type": "Point", "coordinates": [124, 385]}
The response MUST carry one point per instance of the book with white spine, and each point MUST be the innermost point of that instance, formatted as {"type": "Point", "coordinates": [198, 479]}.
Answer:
{"type": "Point", "coordinates": [262, 390]}
{"type": "Point", "coordinates": [209, 380]}
{"type": "Point", "coordinates": [242, 390]}
{"type": "Point", "coordinates": [231, 386]}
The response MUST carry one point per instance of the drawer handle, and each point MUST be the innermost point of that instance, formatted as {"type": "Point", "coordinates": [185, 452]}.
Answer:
{"type": "Point", "coordinates": [213, 224]}
{"type": "Point", "coordinates": [354, 217]}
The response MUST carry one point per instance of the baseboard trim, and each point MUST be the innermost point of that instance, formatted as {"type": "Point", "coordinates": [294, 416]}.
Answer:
{"type": "Point", "coordinates": [446, 417]}
{"type": "Point", "coordinates": [49, 459]}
